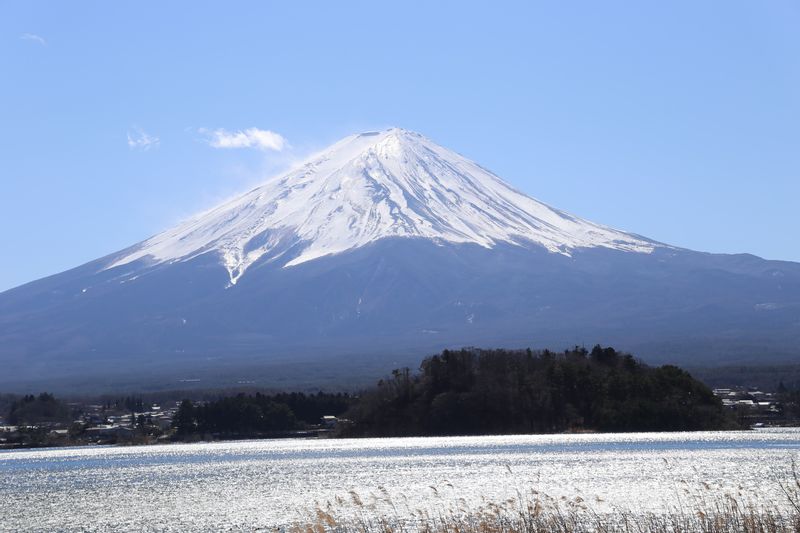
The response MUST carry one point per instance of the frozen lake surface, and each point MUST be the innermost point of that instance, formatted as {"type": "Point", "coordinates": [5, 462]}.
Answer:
{"type": "Point", "coordinates": [247, 485]}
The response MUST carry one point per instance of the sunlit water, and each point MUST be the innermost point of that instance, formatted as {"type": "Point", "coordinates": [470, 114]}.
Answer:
{"type": "Point", "coordinates": [262, 484]}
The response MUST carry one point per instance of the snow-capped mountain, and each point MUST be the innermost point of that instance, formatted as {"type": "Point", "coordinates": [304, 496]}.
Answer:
{"type": "Point", "coordinates": [371, 254]}
{"type": "Point", "coordinates": [370, 186]}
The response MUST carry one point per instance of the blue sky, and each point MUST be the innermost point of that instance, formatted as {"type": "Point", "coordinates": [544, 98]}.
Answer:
{"type": "Point", "coordinates": [676, 120]}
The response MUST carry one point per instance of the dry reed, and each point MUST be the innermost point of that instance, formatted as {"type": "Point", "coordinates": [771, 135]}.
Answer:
{"type": "Point", "coordinates": [706, 510]}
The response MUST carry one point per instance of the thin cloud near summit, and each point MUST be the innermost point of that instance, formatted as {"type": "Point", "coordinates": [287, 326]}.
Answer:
{"type": "Point", "coordinates": [138, 139]}
{"type": "Point", "coordinates": [248, 138]}
{"type": "Point", "coordinates": [33, 37]}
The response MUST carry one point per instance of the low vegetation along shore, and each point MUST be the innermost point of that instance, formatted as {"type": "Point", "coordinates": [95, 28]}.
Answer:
{"type": "Point", "coordinates": [705, 508]}
{"type": "Point", "coordinates": [456, 392]}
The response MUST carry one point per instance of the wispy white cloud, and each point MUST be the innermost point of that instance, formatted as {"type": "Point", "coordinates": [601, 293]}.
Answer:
{"type": "Point", "coordinates": [33, 37]}
{"type": "Point", "coordinates": [249, 138]}
{"type": "Point", "coordinates": [138, 139]}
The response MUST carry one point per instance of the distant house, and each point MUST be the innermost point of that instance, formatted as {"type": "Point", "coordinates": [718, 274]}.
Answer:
{"type": "Point", "coordinates": [9, 430]}
{"type": "Point", "coordinates": [329, 421]}
{"type": "Point", "coordinates": [163, 422]}
{"type": "Point", "coordinates": [107, 430]}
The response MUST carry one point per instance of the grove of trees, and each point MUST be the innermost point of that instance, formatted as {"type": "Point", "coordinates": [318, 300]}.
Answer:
{"type": "Point", "coordinates": [475, 391]}
{"type": "Point", "coordinates": [255, 414]}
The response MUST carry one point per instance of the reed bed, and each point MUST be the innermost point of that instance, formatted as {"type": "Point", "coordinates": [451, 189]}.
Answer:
{"type": "Point", "coordinates": [704, 509]}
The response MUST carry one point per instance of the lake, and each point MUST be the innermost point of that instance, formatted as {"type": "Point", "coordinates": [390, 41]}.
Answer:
{"type": "Point", "coordinates": [248, 485]}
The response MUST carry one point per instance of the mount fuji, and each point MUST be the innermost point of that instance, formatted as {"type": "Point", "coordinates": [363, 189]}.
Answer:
{"type": "Point", "coordinates": [369, 187]}
{"type": "Point", "coordinates": [370, 254]}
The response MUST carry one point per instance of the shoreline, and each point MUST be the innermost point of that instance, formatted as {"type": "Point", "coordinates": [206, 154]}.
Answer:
{"type": "Point", "coordinates": [308, 436]}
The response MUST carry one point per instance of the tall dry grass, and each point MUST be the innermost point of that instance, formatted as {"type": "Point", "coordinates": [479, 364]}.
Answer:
{"type": "Point", "coordinates": [704, 509]}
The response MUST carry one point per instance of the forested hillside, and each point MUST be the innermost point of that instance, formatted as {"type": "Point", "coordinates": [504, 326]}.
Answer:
{"type": "Point", "coordinates": [474, 391]}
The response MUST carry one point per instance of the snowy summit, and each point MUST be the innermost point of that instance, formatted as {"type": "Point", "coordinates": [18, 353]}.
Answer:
{"type": "Point", "coordinates": [370, 186]}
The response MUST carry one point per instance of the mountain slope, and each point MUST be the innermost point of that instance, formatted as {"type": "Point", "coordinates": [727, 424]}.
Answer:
{"type": "Point", "coordinates": [367, 187]}
{"type": "Point", "coordinates": [379, 250]}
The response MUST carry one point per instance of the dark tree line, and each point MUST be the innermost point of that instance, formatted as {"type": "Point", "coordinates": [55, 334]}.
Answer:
{"type": "Point", "coordinates": [245, 414]}
{"type": "Point", "coordinates": [474, 391]}
{"type": "Point", "coordinates": [789, 398]}
{"type": "Point", "coordinates": [32, 409]}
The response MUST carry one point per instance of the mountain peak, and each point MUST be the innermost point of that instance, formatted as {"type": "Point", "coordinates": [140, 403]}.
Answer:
{"type": "Point", "coordinates": [369, 186]}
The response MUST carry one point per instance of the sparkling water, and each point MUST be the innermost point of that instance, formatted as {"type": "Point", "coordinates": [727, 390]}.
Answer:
{"type": "Point", "coordinates": [251, 485]}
